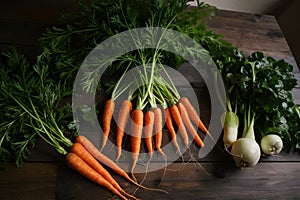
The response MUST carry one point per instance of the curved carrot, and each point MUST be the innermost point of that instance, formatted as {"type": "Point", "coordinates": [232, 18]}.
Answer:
{"type": "Point", "coordinates": [186, 120]}
{"type": "Point", "coordinates": [193, 114]}
{"type": "Point", "coordinates": [148, 130]}
{"type": "Point", "coordinates": [107, 116]}
{"type": "Point", "coordinates": [107, 161]}
{"type": "Point", "coordinates": [177, 118]}
{"type": "Point", "coordinates": [76, 163]}
{"type": "Point", "coordinates": [100, 156]}
{"type": "Point", "coordinates": [158, 130]}
{"type": "Point", "coordinates": [121, 124]}
{"type": "Point", "coordinates": [171, 130]}
{"type": "Point", "coordinates": [136, 137]}
{"type": "Point", "coordinates": [81, 152]}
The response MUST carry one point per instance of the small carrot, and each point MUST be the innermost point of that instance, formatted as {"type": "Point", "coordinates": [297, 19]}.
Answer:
{"type": "Point", "coordinates": [171, 130]}
{"type": "Point", "coordinates": [178, 120]}
{"type": "Point", "coordinates": [107, 116]}
{"type": "Point", "coordinates": [148, 130]}
{"type": "Point", "coordinates": [158, 130]}
{"type": "Point", "coordinates": [193, 114]}
{"type": "Point", "coordinates": [121, 123]}
{"type": "Point", "coordinates": [108, 162]}
{"type": "Point", "coordinates": [186, 120]}
{"type": "Point", "coordinates": [76, 163]}
{"type": "Point", "coordinates": [81, 152]}
{"type": "Point", "coordinates": [136, 131]}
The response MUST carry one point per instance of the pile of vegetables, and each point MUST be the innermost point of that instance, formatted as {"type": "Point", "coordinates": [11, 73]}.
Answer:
{"type": "Point", "coordinates": [35, 95]}
{"type": "Point", "coordinates": [259, 93]}
{"type": "Point", "coordinates": [30, 103]}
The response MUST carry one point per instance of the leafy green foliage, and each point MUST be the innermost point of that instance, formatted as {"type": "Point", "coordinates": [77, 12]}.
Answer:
{"type": "Point", "coordinates": [65, 47]}
{"type": "Point", "coordinates": [27, 97]}
{"type": "Point", "coordinates": [265, 84]}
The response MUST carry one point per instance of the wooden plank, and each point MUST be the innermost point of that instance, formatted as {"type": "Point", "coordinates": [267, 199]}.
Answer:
{"type": "Point", "coordinates": [189, 181]}
{"type": "Point", "coordinates": [251, 32]}
{"type": "Point", "coordinates": [31, 181]}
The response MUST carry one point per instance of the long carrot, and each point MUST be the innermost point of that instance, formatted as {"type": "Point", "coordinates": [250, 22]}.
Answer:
{"type": "Point", "coordinates": [148, 131]}
{"type": "Point", "coordinates": [76, 163]}
{"type": "Point", "coordinates": [158, 130]}
{"type": "Point", "coordinates": [82, 152]}
{"type": "Point", "coordinates": [171, 130]}
{"type": "Point", "coordinates": [123, 117]}
{"type": "Point", "coordinates": [100, 156]}
{"type": "Point", "coordinates": [177, 118]}
{"type": "Point", "coordinates": [136, 131]}
{"type": "Point", "coordinates": [107, 116]}
{"type": "Point", "coordinates": [193, 114]}
{"type": "Point", "coordinates": [108, 162]}
{"type": "Point", "coordinates": [186, 120]}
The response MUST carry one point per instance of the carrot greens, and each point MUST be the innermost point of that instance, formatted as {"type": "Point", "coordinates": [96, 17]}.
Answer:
{"type": "Point", "coordinates": [30, 107]}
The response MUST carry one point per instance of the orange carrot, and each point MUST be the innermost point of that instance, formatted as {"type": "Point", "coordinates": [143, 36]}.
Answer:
{"type": "Point", "coordinates": [177, 118]}
{"type": "Point", "coordinates": [193, 114]}
{"type": "Point", "coordinates": [122, 122]}
{"type": "Point", "coordinates": [76, 163]}
{"type": "Point", "coordinates": [158, 130]}
{"type": "Point", "coordinates": [107, 116]}
{"type": "Point", "coordinates": [107, 161]}
{"type": "Point", "coordinates": [100, 156]}
{"type": "Point", "coordinates": [170, 127]}
{"type": "Point", "coordinates": [81, 152]}
{"type": "Point", "coordinates": [136, 131]}
{"type": "Point", "coordinates": [186, 120]}
{"type": "Point", "coordinates": [148, 130]}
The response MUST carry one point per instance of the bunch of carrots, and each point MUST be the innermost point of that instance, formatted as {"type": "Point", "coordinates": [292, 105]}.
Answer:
{"type": "Point", "coordinates": [86, 159]}
{"type": "Point", "coordinates": [80, 155]}
{"type": "Point", "coordinates": [153, 99]}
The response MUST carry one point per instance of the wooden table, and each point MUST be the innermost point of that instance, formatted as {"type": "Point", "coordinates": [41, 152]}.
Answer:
{"type": "Point", "coordinates": [44, 175]}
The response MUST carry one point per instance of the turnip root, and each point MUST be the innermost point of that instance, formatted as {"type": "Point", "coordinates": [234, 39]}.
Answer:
{"type": "Point", "coordinates": [245, 152]}
{"type": "Point", "coordinates": [271, 144]}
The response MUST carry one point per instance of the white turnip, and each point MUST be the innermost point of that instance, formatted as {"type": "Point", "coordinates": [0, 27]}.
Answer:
{"type": "Point", "coordinates": [246, 151]}
{"type": "Point", "coordinates": [271, 144]}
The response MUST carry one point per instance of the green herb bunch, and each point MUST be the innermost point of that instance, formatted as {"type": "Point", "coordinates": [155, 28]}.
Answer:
{"type": "Point", "coordinates": [30, 104]}
{"type": "Point", "coordinates": [265, 85]}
